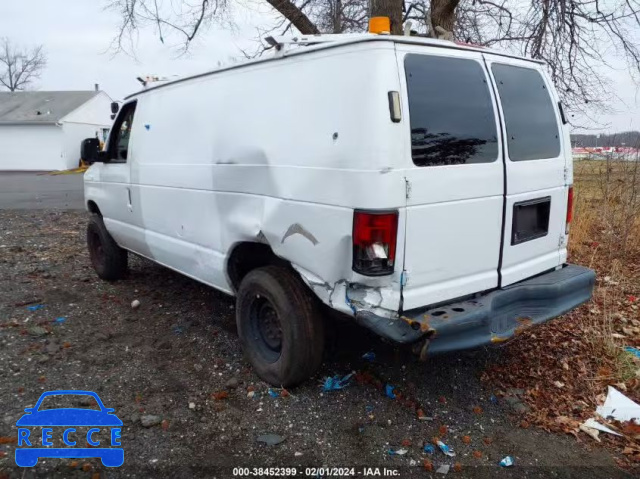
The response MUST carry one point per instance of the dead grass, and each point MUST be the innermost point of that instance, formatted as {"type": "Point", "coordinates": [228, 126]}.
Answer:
{"type": "Point", "coordinates": [605, 236]}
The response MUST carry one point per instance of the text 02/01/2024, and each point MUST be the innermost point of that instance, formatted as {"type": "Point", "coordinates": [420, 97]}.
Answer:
{"type": "Point", "coordinates": [314, 471]}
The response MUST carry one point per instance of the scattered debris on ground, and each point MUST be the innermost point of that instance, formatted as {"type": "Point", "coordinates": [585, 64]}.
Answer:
{"type": "Point", "coordinates": [191, 399]}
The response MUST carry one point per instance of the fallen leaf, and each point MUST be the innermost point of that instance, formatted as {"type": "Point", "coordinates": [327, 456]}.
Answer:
{"type": "Point", "coordinates": [428, 465]}
{"type": "Point", "coordinates": [477, 454]}
{"type": "Point", "coordinates": [8, 440]}
{"type": "Point", "coordinates": [164, 424]}
{"type": "Point", "coordinates": [524, 424]}
{"type": "Point", "coordinates": [86, 467]}
{"type": "Point", "coordinates": [487, 440]}
{"type": "Point", "coordinates": [630, 428]}
{"type": "Point", "coordinates": [466, 439]}
{"type": "Point", "coordinates": [477, 410]}
{"type": "Point", "coordinates": [443, 430]}
{"type": "Point", "coordinates": [219, 396]}
{"type": "Point", "coordinates": [457, 467]}
{"type": "Point", "coordinates": [627, 451]}
{"type": "Point", "coordinates": [405, 443]}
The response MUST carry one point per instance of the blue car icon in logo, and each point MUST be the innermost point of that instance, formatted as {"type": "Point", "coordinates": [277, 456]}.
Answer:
{"type": "Point", "coordinates": [100, 422]}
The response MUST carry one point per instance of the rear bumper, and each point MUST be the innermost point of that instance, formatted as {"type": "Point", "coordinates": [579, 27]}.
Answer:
{"type": "Point", "coordinates": [491, 318]}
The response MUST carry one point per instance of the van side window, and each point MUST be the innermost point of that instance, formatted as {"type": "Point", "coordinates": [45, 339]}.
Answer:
{"type": "Point", "coordinates": [450, 110]}
{"type": "Point", "coordinates": [529, 115]}
{"type": "Point", "coordinates": [121, 134]}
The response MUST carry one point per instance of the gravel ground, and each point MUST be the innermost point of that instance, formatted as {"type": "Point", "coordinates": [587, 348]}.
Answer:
{"type": "Point", "coordinates": [171, 356]}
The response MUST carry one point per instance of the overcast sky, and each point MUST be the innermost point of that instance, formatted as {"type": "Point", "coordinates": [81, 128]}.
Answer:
{"type": "Point", "coordinates": [77, 34]}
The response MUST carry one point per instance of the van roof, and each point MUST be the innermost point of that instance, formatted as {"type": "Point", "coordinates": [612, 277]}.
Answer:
{"type": "Point", "coordinates": [314, 43]}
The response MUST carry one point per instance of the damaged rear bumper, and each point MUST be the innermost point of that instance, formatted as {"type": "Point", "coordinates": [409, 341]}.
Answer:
{"type": "Point", "coordinates": [491, 318]}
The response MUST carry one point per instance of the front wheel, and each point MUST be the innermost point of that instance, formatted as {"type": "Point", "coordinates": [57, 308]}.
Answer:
{"type": "Point", "coordinates": [107, 258]}
{"type": "Point", "coordinates": [279, 325]}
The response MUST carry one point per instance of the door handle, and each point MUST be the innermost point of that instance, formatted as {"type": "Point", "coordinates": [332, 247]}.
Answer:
{"type": "Point", "coordinates": [129, 204]}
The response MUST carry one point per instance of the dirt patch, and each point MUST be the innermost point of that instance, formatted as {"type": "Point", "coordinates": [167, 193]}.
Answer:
{"type": "Point", "coordinates": [173, 356]}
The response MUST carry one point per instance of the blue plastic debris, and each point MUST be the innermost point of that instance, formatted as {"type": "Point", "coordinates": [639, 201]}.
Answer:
{"type": "Point", "coordinates": [632, 350]}
{"type": "Point", "coordinates": [369, 409]}
{"type": "Point", "coordinates": [446, 449]}
{"type": "Point", "coordinates": [493, 399]}
{"type": "Point", "coordinates": [178, 329]}
{"type": "Point", "coordinates": [429, 449]}
{"type": "Point", "coordinates": [507, 461]}
{"type": "Point", "coordinates": [336, 383]}
{"type": "Point", "coordinates": [60, 320]}
{"type": "Point", "coordinates": [388, 390]}
{"type": "Point", "coordinates": [273, 394]}
{"type": "Point", "coordinates": [370, 356]}
{"type": "Point", "coordinates": [397, 452]}
{"type": "Point", "coordinates": [360, 429]}
{"type": "Point", "coordinates": [35, 307]}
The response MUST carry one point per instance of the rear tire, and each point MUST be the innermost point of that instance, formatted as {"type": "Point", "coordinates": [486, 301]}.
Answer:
{"type": "Point", "coordinates": [108, 259]}
{"type": "Point", "coordinates": [279, 325]}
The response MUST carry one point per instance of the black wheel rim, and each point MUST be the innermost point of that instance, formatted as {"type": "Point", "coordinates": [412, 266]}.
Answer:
{"type": "Point", "coordinates": [266, 329]}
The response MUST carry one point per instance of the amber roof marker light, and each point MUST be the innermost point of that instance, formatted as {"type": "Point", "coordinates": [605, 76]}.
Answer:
{"type": "Point", "coordinates": [380, 25]}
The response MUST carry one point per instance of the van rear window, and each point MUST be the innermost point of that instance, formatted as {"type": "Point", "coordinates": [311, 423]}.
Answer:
{"type": "Point", "coordinates": [450, 110]}
{"type": "Point", "coordinates": [532, 128]}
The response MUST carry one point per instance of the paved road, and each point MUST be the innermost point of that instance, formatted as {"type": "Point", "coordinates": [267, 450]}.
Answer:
{"type": "Point", "coordinates": [38, 190]}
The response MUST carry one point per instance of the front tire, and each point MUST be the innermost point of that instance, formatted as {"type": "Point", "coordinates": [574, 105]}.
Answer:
{"type": "Point", "coordinates": [108, 259]}
{"type": "Point", "coordinates": [279, 325]}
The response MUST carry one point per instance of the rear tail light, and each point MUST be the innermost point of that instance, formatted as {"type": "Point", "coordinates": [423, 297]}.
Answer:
{"type": "Point", "coordinates": [374, 242]}
{"type": "Point", "coordinates": [569, 209]}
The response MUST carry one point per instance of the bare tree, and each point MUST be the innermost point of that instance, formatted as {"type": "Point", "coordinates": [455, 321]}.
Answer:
{"type": "Point", "coordinates": [20, 67]}
{"type": "Point", "coordinates": [576, 38]}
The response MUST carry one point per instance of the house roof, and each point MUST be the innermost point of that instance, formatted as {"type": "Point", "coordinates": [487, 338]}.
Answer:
{"type": "Point", "coordinates": [40, 107]}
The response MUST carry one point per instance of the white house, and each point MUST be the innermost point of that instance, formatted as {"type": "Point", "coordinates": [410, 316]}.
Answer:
{"type": "Point", "coordinates": [42, 130]}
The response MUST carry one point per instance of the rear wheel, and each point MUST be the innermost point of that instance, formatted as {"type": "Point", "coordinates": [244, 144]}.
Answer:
{"type": "Point", "coordinates": [279, 325]}
{"type": "Point", "coordinates": [107, 258]}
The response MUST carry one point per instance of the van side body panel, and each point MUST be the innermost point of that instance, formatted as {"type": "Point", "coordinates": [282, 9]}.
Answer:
{"type": "Point", "coordinates": [223, 159]}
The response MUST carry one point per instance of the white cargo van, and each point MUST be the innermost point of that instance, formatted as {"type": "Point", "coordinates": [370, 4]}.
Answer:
{"type": "Point", "coordinates": [420, 187]}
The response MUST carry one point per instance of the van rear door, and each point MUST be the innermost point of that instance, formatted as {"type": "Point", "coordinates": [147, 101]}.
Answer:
{"type": "Point", "coordinates": [536, 169]}
{"type": "Point", "coordinates": [455, 175]}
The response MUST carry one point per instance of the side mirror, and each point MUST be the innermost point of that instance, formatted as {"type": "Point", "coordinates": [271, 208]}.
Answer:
{"type": "Point", "coordinates": [115, 107]}
{"type": "Point", "coordinates": [90, 151]}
